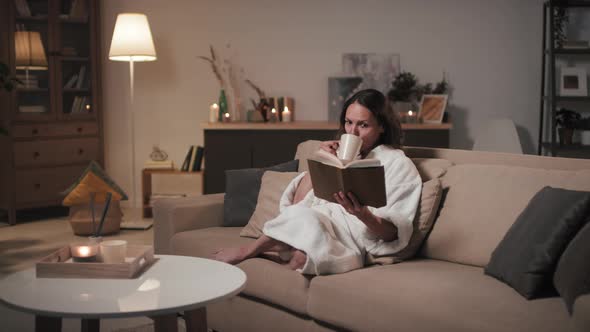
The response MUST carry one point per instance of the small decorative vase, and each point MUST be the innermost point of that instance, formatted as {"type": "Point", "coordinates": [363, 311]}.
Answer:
{"type": "Point", "coordinates": [222, 105]}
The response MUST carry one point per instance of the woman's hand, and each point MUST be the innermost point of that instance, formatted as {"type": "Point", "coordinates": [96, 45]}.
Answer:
{"type": "Point", "coordinates": [351, 204]}
{"type": "Point", "coordinates": [330, 146]}
{"type": "Point", "coordinates": [383, 229]}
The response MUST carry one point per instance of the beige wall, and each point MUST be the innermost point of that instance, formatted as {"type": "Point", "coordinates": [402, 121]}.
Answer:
{"type": "Point", "coordinates": [490, 50]}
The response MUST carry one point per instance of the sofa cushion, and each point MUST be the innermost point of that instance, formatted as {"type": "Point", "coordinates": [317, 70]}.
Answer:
{"type": "Point", "coordinates": [572, 276]}
{"type": "Point", "coordinates": [266, 279]}
{"type": "Point", "coordinates": [241, 191]}
{"type": "Point", "coordinates": [480, 204]}
{"type": "Point", "coordinates": [526, 257]}
{"type": "Point", "coordinates": [304, 151]}
{"type": "Point", "coordinates": [422, 224]}
{"type": "Point", "coordinates": [431, 168]}
{"type": "Point", "coordinates": [269, 197]}
{"type": "Point", "coordinates": [428, 295]}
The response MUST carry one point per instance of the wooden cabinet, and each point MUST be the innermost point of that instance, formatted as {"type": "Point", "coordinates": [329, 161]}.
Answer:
{"type": "Point", "coordinates": [247, 145]}
{"type": "Point", "coordinates": [53, 117]}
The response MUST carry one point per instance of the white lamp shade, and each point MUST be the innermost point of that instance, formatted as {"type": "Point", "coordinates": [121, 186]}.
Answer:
{"type": "Point", "coordinates": [132, 39]}
{"type": "Point", "coordinates": [30, 54]}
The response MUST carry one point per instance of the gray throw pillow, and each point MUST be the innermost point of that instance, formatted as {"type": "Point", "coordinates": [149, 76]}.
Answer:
{"type": "Point", "coordinates": [241, 191]}
{"type": "Point", "coordinates": [526, 257]}
{"type": "Point", "coordinates": [572, 276]}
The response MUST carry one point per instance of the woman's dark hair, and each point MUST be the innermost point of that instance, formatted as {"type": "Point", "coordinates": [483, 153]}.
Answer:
{"type": "Point", "coordinates": [376, 102]}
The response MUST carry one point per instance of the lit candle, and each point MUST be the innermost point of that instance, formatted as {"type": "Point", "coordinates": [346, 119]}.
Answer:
{"type": "Point", "coordinates": [84, 253]}
{"type": "Point", "coordinates": [412, 117]}
{"type": "Point", "coordinates": [226, 117]}
{"type": "Point", "coordinates": [213, 112]}
{"type": "Point", "coordinates": [274, 116]}
{"type": "Point", "coordinates": [286, 115]}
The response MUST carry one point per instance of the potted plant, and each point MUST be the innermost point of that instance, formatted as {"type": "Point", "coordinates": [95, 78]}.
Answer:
{"type": "Point", "coordinates": [567, 120]}
{"type": "Point", "coordinates": [404, 92]}
{"type": "Point", "coordinates": [7, 82]}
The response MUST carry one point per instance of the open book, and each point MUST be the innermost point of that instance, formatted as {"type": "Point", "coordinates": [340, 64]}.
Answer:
{"type": "Point", "coordinates": [363, 177]}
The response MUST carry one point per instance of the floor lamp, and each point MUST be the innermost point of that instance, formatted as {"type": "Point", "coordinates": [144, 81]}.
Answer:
{"type": "Point", "coordinates": [132, 42]}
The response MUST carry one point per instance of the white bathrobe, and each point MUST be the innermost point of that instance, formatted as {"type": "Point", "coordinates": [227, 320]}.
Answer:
{"type": "Point", "coordinates": [336, 241]}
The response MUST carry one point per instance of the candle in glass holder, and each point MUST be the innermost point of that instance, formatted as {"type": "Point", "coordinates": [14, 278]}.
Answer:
{"type": "Point", "coordinates": [286, 115]}
{"type": "Point", "coordinates": [226, 117]}
{"type": "Point", "coordinates": [213, 113]}
{"type": "Point", "coordinates": [274, 116]}
{"type": "Point", "coordinates": [84, 252]}
{"type": "Point", "coordinates": [412, 117]}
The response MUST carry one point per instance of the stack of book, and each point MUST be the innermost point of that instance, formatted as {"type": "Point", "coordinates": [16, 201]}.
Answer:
{"type": "Point", "coordinates": [28, 81]}
{"type": "Point", "coordinates": [194, 159]}
{"type": "Point", "coordinates": [76, 81]}
{"type": "Point", "coordinates": [22, 7]}
{"type": "Point", "coordinates": [156, 164]}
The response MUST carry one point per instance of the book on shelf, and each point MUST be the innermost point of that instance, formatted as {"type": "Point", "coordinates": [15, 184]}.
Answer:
{"type": "Point", "coordinates": [363, 177]}
{"type": "Point", "coordinates": [81, 77]}
{"type": "Point", "coordinates": [22, 7]}
{"type": "Point", "coordinates": [187, 159]}
{"type": "Point", "coordinates": [31, 109]}
{"type": "Point", "coordinates": [198, 159]}
{"type": "Point", "coordinates": [575, 44]}
{"type": "Point", "coordinates": [71, 82]}
{"type": "Point", "coordinates": [79, 9]}
{"type": "Point", "coordinates": [191, 163]}
{"type": "Point", "coordinates": [159, 164]}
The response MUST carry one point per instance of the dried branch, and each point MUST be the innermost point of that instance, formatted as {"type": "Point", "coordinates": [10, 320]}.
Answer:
{"type": "Point", "coordinates": [213, 67]}
{"type": "Point", "coordinates": [255, 87]}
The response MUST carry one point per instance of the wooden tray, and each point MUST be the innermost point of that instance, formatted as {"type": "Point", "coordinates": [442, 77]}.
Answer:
{"type": "Point", "coordinates": [60, 265]}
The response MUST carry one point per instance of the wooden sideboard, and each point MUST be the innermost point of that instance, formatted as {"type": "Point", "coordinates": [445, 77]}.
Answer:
{"type": "Point", "coordinates": [247, 145]}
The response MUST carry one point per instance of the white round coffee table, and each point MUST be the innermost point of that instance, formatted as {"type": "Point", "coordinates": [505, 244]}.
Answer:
{"type": "Point", "coordinates": [171, 285]}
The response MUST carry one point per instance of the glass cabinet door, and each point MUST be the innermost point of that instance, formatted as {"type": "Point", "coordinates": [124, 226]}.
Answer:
{"type": "Point", "coordinates": [74, 60]}
{"type": "Point", "coordinates": [32, 61]}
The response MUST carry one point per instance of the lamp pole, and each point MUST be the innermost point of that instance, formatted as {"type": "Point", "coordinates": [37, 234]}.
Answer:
{"type": "Point", "coordinates": [132, 42]}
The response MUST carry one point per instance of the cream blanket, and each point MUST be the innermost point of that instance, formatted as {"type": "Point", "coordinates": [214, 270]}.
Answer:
{"type": "Point", "coordinates": [336, 241]}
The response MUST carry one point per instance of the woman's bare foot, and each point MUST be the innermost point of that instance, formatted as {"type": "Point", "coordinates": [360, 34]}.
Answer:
{"type": "Point", "coordinates": [231, 255]}
{"type": "Point", "coordinates": [298, 260]}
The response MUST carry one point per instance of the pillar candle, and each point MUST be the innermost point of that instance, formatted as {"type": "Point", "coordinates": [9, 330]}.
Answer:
{"type": "Point", "coordinates": [213, 113]}
{"type": "Point", "coordinates": [226, 117]}
{"type": "Point", "coordinates": [286, 115]}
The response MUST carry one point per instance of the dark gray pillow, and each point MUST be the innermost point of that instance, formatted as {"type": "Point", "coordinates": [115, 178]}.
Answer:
{"type": "Point", "coordinates": [572, 276]}
{"type": "Point", "coordinates": [241, 191]}
{"type": "Point", "coordinates": [526, 258]}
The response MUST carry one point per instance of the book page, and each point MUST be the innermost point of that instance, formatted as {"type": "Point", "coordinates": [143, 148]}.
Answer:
{"type": "Point", "coordinates": [330, 159]}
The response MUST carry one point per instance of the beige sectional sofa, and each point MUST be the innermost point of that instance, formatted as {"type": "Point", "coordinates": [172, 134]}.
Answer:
{"type": "Point", "coordinates": [444, 288]}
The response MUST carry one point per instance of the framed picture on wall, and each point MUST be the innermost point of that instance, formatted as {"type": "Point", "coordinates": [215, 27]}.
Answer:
{"type": "Point", "coordinates": [432, 108]}
{"type": "Point", "coordinates": [573, 82]}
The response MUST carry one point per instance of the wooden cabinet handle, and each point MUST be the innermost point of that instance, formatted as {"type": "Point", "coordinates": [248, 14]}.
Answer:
{"type": "Point", "coordinates": [80, 151]}
{"type": "Point", "coordinates": [36, 155]}
{"type": "Point", "coordinates": [37, 186]}
{"type": "Point", "coordinates": [79, 129]}
{"type": "Point", "coordinates": [35, 131]}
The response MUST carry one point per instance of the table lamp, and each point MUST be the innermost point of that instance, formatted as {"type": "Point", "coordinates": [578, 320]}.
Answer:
{"type": "Point", "coordinates": [29, 52]}
{"type": "Point", "coordinates": [132, 42]}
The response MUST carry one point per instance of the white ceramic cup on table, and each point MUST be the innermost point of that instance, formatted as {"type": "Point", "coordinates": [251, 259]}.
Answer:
{"type": "Point", "coordinates": [113, 251]}
{"type": "Point", "coordinates": [350, 146]}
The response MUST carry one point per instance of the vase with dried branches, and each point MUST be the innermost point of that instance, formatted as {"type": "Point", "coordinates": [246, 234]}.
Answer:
{"type": "Point", "coordinates": [230, 76]}
{"type": "Point", "coordinates": [216, 67]}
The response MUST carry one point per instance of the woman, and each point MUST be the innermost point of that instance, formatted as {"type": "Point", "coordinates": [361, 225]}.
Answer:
{"type": "Point", "coordinates": [315, 236]}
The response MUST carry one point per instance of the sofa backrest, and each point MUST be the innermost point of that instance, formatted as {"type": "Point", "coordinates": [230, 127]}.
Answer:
{"type": "Point", "coordinates": [484, 194]}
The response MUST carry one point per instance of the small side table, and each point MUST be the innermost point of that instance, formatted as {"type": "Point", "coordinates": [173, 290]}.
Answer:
{"type": "Point", "coordinates": [146, 186]}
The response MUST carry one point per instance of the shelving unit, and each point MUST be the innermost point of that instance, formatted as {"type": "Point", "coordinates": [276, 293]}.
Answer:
{"type": "Point", "coordinates": [54, 130]}
{"type": "Point", "coordinates": [548, 143]}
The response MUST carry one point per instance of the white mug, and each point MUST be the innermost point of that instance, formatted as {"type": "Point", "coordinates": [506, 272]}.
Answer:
{"type": "Point", "coordinates": [350, 146]}
{"type": "Point", "coordinates": [113, 251]}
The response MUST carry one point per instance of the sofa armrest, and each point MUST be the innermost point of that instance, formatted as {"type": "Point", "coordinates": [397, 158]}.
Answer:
{"type": "Point", "coordinates": [174, 215]}
{"type": "Point", "coordinates": [581, 315]}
